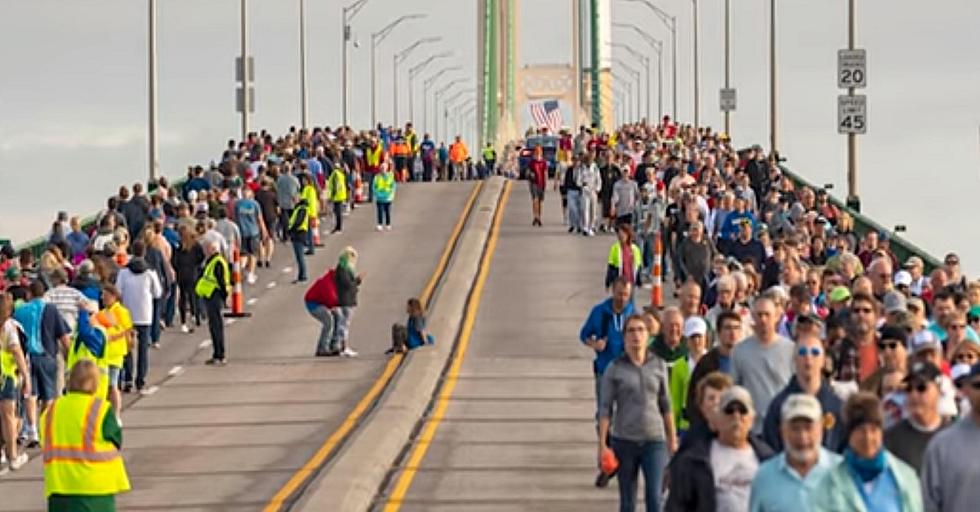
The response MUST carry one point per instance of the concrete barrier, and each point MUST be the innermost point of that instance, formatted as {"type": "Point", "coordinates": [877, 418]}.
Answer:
{"type": "Point", "coordinates": [352, 479]}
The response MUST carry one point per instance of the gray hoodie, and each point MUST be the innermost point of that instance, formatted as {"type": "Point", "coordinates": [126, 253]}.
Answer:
{"type": "Point", "coordinates": [625, 194]}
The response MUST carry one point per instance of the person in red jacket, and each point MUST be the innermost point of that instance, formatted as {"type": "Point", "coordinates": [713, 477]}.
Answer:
{"type": "Point", "coordinates": [538, 179]}
{"type": "Point", "coordinates": [321, 300]}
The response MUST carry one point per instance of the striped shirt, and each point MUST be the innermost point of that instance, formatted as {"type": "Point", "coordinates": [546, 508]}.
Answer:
{"type": "Point", "coordinates": [65, 299]}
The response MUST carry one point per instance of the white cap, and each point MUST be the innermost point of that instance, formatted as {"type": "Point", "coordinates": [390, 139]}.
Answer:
{"type": "Point", "coordinates": [903, 278]}
{"type": "Point", "coordinates": [801, 406]}
{"type": "Point", "coordinates": [695, 326]}
{"type": "Point", "coordinates": [959, 370]}
{"type": "Point", "coordinates": [925, 340]}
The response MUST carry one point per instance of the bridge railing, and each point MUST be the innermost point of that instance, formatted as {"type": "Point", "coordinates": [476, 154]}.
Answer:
{"type": "Point", "coordinates": [902, 248]}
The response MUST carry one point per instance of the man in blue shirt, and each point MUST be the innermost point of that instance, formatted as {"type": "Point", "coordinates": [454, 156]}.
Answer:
{"type": "Point", "coordinates": [248, 215]}
{"type": "Point", "coordinates": [427, 150]}
{"type": "Point", "coordinates": [787, 481]}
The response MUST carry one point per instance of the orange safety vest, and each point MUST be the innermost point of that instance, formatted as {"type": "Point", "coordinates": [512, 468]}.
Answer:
{"type": "Point", "coordinates": [458, 152]}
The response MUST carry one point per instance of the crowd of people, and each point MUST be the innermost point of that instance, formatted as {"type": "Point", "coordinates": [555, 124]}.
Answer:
{"type": "Point", "coordinates": [803, 367]}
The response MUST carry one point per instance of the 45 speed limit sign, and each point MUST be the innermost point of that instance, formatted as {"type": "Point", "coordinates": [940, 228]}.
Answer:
{"type": "Point", "coordinates": [852, 114]}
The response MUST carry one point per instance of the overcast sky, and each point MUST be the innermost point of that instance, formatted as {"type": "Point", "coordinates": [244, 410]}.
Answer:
{"type": "Point", "coordinates": [73, 90]}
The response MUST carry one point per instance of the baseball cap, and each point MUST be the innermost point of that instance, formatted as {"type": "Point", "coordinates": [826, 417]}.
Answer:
{"type": "Point", "coordinates": [959, 372]}
{"type": "Point", "coordinates": [894, 302]}
{"type": "Point", "coordinates": [925, 340]}
{"type": "Point", "coordinates": [914, 261]}
{"type": "Point", "coordinates": [893, 332]}
{"type": "Point", "coordinates": [736, 394]}
{"type": "Point", "coordinates": [924, 372]}
{"type": "Point", "coordinates": [12, 273]}
{"type": "Point", "coordinates": [801, 405]}
{"type": "Point", "coordinates": [695, 326]}
{"type": "Point", "coordinates": [839, 294]}
{"type": "Point", "coordinates": [903, 278]}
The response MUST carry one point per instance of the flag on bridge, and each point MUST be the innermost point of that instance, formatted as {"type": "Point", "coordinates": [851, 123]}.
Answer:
{"type": "Point", "coordinates": [547, 113]}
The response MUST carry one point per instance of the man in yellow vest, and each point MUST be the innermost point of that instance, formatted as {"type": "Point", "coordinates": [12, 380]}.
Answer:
{"type": "Point", "coordinates": [373, 156]}
{"type": "Point", "coordinates": [337, 192]}
{"type": "Point", "coordinates": [80, 439]}
{"type": "Point", "coordinates": [412, 139]}
{"type": "Point", "coordinates": [309, 195]}
{"type": "Point", "coordinates": [213, 288]}
{"type": "Point", "coordinates": [120, 341]}
{"type": "Point", "coordinates": [90, 343]}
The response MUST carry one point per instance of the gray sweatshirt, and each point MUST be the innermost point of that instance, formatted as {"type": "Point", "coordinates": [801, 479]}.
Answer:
{"type": "Point", "coordinates": [640, 395]}
{"type": "Point", "coordinates": [625, 194]}
{"type": "Point", "coordinates": [949, 468]}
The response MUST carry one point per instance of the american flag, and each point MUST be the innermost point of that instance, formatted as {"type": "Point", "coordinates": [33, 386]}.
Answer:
{"type": "Point", "coordinates": [547, 113]}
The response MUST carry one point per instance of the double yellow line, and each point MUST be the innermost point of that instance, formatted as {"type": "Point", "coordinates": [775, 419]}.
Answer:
{"type": "Point", "coordinates": [445, 392]}
{"type": "Point", "coordinates": [330, 445]}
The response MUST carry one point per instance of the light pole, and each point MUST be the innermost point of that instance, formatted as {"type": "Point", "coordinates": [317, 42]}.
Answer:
{"type": "Point", "coordinates": [246, 85]}
{"type": "Point", "coordinates": [446, 105]}
{"type": "Point", "coordinates": [629, 93]}
{"type": "Point", "coordinates": [347, 15]}
{"type": "Point", "coordinates": [376, 39]}
{"type": "Point", "coordinates": [697, 65]}
{"type": "Point", "coordinates": [658, 46]}
{"type": "Point", "coordinates": [773, 127]}
{"type": "Point", "coordinates": [438, 94]}
{"type": "Point", "coordinates": [304, 95]}
{"type": "Point", "coordinates": [401, 56]}
{"type": "Point", "coordinates": [645, 61]}
{"type": "Point", "coordinates": [152, 96]}
{"type": "Point", "coordinates": [636, 75]}
{"type": "Point", "coordinates": [853, 199]}
{"type": "Point", "coordinates": [671, 23]}
{"type": "Point", "coordinates": [426, 84]}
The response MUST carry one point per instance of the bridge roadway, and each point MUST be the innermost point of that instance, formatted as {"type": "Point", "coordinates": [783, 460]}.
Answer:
{"type": "Point", "coordinates": [229, 438]}
{"type": "Point", "coordinates": [518, 431]}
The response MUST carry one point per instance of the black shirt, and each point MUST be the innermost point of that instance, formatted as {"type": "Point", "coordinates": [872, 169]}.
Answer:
{"type": "Point", "coordinates": [908, 443]}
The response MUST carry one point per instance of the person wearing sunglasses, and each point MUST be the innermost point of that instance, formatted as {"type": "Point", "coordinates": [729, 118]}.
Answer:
{"type": "Point", "coordinates": [716, 474]}
{"type": "Point", "coordinates": [908, 439]}
{"type": "Point", "coordinates": [808, 379]}
{"type": "Point", "coordinates": [892, 340]}
{"type": "Point", "coordinates": [870, 478]}
{"type": "Point", "coordinates": [926, 348]}
{"type": "Point", "coordinates": [949, 466]}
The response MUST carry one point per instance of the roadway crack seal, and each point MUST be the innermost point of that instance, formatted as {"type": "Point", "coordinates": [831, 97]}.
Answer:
{"type": "Point", "coordinates": [290, 493]}
{"type": "Point", "coordinates": [471, 304]}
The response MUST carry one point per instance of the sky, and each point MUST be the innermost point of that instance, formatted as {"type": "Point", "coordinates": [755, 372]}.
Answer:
{"type": "Point", "coordinates": [73, 90]}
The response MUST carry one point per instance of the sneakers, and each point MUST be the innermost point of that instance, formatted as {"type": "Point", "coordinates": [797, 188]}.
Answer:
{"type": "Point", "coordinates": [388, 227]}
{"type": "Point", "coordinates": [378, 227]}
{"type": "Point", "coordinates": [19, 462]}
{"type": "Point", "coordinates": [252, 278]}
{"type": "Point", "coordinates": [155, 345]}
{"type": "Point", "coordinates": [184, 329]}
{"type": "Point", "coordinates": [327, 353]}
{"type": "Point", "coordinates": [348, 352]}
{"type": "Point", "coordinates": [216, 362]}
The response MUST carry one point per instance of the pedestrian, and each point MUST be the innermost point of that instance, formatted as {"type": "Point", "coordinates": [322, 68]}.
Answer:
{"type": "Point", "coordinates": [308, 195]}
{"type": "Point", "coordinates": [418, 334]}
{"type": "Point", "coordinates": [187, 261]}
{"type": "Point", "coordinates": [808, 379]}
{"type": "Point", "coordinates": [348, 283]}
{"type": "Point", "coordinates": [251, 224]}
{"type": "Point", "coordinates": [458, 153]}
{"type": "Point", "coordinates": [118, 343]}
{"type": "Point", "coordinates": [695, 345]}
{"type": "Point", "coordinates": [647, 220]}
{"type": "Point", "coordinates": [322, 303]}
{"type": "Point", "coordinates": [384, 196]}
{"type": "Point", "coordinates": [16, 383]}
{"type": "Point", "coordinates": [635, 414]}
{"type": "Point", "coordinates": [537, 177]}
{"type": "Point", "coordinates": [573, 195]}
{"type": "Point", "coordinates": [704, 396]}
{"type": "Point", "coordinates": [625, 259]}
{"type": "Point", "coordinates": [287, 195]}
{"type": "Point", "coordinates": [159, 262]}
{"type": "Point", "coordinates": [869, 478]}
{"type": "Point", "coordinates": [625, 196]}
{"type": "Point", "coordinates": [87, 282]}
{"type": "Point", "coordinates": [588, 179]}
{"type": "Point", "coordinates": [90, 344]}
{"type": "Point", "coordinates": [139, 286]}
{"type": "Point", "coordinates": [83, 469]}
{"type": "Point", "coordinates": [64, 297]}
{"type": "Point", "coordinates": [716, 474]}
{"type": "Point", "coordinates": [213, 288]}
{"type": "Point", "coordinates": [298, 229]}
{"type": "Point", "coordinates": [337, 193]}
{"type": "Point", "coordinates": [266, 197]}
{"type": "Point", "coordinates": [763, 363]}
{"type": "Point", "coordinates": [788, 480]}
{"type": "Point", "coordinates": [908, 438]}
{"type": "Point", "coordinates": [728, 327]}
{"type": "Point", "coordinates": [949, 465]}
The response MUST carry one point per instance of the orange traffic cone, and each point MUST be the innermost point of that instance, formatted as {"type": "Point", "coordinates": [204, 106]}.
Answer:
{"type": "Point", "coordinates": [237, 295]}
{"type": "Point", "coordinates": [315, 226]}
{"type": "Point", "coordinates": [657, 294]}
{"type": "Point", "coordinates": [358, 188]}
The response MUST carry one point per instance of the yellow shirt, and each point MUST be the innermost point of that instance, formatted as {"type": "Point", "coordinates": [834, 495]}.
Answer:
{"type": "Point", "coordinates": [118, 335]}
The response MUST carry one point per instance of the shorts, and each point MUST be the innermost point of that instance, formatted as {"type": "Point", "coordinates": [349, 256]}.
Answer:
{"type": "Point", "coordinates": [44, 377]}
{"type": "Point", "coordinates": [114, 372]}
{"type": "Point", "coordinates": [9, 389]}
{"type": "Point", "coordinates": [250, 245]}
{"type": "Point", "coordinates": [537, 192]}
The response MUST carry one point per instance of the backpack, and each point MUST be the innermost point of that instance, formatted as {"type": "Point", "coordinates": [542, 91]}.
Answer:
{"type": "Point", "coordinates": [399, 339]}
{"type": "Point", "coordinates": [28, 317]}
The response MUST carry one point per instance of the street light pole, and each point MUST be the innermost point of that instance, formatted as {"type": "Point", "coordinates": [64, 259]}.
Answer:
{"type": "Point", "coordinates": [246, 85]}
{"type": "Point", "coordinates": [728, 60]}
{"type": "Point", "coordinates": [773, 127]}
{"type": "Point", "coordinates": [425, 92]}
{"type": "Point", "coordinates": [154, 155]}
{"type": "Point", "coordinates": [853, 199]}
{"type": "Point", "coordinates": [636, 75]}
{"type": "Point", "coordinates": [376, 39]}
{"type": "Point", "coordinates": [438, 94]}
{"type": "Point", "coordinates": [671, 23]}
{"type": "Point", "coordinates": [658, 46]}
{"type": "Point", "coordinates": [697, 85]}
{"type": "Point", "coordinates": [304, 95]}
{"type": "Point", "coordinates": [401, 56]}
{"type": "Point", "coordinates": [347, 15]}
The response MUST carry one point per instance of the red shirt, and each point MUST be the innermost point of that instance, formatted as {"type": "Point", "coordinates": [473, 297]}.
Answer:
{"type": "Point", "coordinates": [540, 170]}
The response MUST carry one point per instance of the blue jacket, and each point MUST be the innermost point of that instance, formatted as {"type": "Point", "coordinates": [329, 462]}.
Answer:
{"type": "Point", "coordinates": [604, 323]}
{"type": "Point", "coordinates": [729, 227]}
{"type": "Point", "coordinates": [834, 437]}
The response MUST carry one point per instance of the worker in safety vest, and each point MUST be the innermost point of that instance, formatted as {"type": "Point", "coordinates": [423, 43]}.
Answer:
{"type": "Point", "coordinates": [119, 343]}
{"type": "Point", "coordinates": [412, 139]}
{"type": "Point", "coordinates": [309, 195]}
{"type": "Point", "coordinates": [80, 439]}
{"type": "Point", "coordinates": [490, 158]}
{"type": "Point", "coordinates": [337, 193]}
{"type": "Point", "coordinates": [15, 382]}
{"type": "Point", "coordinates": [90, 343]}
{"type": "Point", "coordinates": [458, 153]}
{"type": "Point", "coordinates": [400, 153]}
{"type": "Point", "coordinates": [384, 190]}
{"type": "Point", "coordinates": [373, 156]}
{"type": "Point", "coordinates": [213, 288]}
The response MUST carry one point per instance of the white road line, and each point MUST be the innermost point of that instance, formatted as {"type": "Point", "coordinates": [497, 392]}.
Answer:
{"type": "Point", "coordinates": [286, 270]}
{"type": "Point", "coordinates": [150, 390]}
{"type": "Point", "coordinates": [230, 321]}
{"type": "Point", "coordinates": [205, 343]}
{"type": "Point", "coordinates": [251, 301]}
{"type": "Point", "coordinates": [271, 285]}
{"type": "Point", "coordinates": [176, 370]}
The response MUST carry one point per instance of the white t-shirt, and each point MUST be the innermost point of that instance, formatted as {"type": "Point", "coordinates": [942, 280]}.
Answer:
{"type": "Point", "coordinates": [9, 339]}
{"type": "Point", "coordinates": [734, 470]}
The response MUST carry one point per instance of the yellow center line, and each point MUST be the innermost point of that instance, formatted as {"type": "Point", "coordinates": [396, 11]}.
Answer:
{"type": "Point", "coordinates": [424, 439]}
{"type": "Point", "coordinates": [332, 442]}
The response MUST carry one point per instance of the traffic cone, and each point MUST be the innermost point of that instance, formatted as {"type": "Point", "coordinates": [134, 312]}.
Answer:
{"type": "Point", "coordinates": [657, 294]}
{"type": "Point", "coordinates": [358, 188]}
{"type": "Point", "coordinates": [315, 226]}
{"type": "Point", "coordinates": [237, 295]}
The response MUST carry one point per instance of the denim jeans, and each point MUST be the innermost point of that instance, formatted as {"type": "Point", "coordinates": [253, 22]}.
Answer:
{"type": "Point", "coordinates": [326, 319]}
{"type": "Point", "coordinates": [158, 305]}
{"type": "Point", "coordinates": [171, 308]}
{"type": "Point", "coordinates": [142, 357]}
{"type": "Point", "coordinates": [384, 213]}
{"type": "Point", "coordinates": [651, 457]}
{"type": "Point", "coordinates": [574, 210]}
{"type": "Point", "coordinates": [342, 317]}
{"type": "Point", "coordinates": [299, 248]}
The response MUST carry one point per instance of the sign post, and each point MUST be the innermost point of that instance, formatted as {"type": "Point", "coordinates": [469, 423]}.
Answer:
{"type": "Point", "coordinates": [852, 114]}
{"type": "Point", "coordinates": [728, 99]}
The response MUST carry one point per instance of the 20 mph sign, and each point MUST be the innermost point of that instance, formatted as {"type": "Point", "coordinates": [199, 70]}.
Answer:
{"type": "Point", "coordinates": [852, 114]}
{"type": "Point", "coordinates": [852, 69]}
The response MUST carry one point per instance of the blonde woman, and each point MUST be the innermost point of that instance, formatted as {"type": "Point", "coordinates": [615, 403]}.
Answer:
{"type": "Point", "coordinates": [348, 282]}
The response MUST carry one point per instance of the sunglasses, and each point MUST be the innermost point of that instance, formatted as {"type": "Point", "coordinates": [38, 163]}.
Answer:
{"type": "Point", "coordinates": [889, 345]}
{"type": "Point", "coordinates": [811, 351]}
{"type": "Point", "coordinates": [920, 387]}
{"type": "Point", "coordinates": [959, 357]}
{"type": "Point", "coordinates": [736, 407]}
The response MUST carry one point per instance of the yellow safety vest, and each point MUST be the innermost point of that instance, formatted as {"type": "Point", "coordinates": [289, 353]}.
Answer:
{"type": "Point", "coordinates": [117, 342]}
{"type": "Point", "coordinates": [208, 282]}
{"type": "Point", "coordinates": [312, 201]}
{"type": "Point", "coordinates": [374, 156]}
{"type": "Point", "coordinates": [79, 352]}
{"type": "Point", "coordinates": [616, 257]}
{"type": "Point", "coordinates": [305, 225]}
{"type": "Point", "coordinates": [8, 366]}
{"type": "Point", "coordinates": [413, 142]}
{"type": "Point", "coordinates": [77, 460]}
{"type": "Point", "coordinates": [338, 186]}
{"type": "Point", "coordinates": [489, 154]}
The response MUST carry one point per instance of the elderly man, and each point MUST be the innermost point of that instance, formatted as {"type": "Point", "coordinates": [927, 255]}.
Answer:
{"type": "Point", "coordinates": [949, 466]}
{"type": "Point", "coordinates": [908, 439]}
{"type": "Point", "coordinates": [880, 273]}
{"type": "Point", "coordinates": [807, 380]}
{"type": "Point", "coordinates": [763, 363]}
{"type": "Point", "coordinates": [716, 474]}
{"type": "Point", "coordinates": [213, 288]}
{"type": "Point", "coordinates": [788, 480]}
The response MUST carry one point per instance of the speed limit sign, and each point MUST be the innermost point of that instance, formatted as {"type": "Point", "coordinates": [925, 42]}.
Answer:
{"type": "Point", "coordinates": [852, 69]}
{"type": "Point", "coordinates": [852, 114]}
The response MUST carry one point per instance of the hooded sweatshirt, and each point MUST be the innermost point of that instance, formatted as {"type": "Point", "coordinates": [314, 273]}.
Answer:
{"type": "Point", "coordinates": [139, 286]}
{"type": "Point", "coordinates": [604, 323]}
